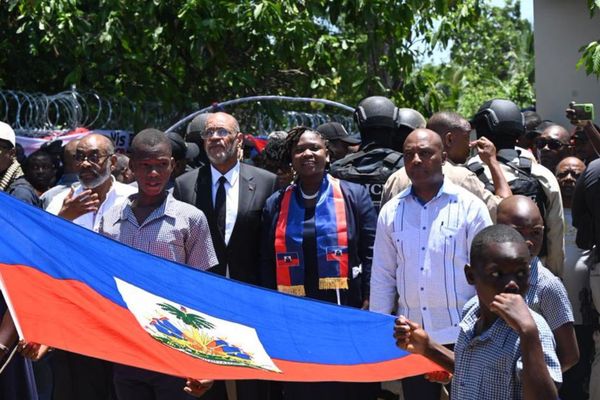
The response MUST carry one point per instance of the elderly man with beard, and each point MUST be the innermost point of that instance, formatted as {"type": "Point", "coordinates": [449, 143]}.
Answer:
{"type": "Point", "coordinates": [576, 277]}
{"type": "Point", "coordinates": [231, 195]}
{"type": "Point", "coordinates": [97, 191]}
{"type": "Point", "coordinates": [84, 203]}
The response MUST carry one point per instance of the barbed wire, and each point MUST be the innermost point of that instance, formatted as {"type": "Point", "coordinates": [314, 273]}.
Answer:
{"type": "Point", "coordinates": [257, 115]}
{"type": "Point", "coordinates": [36, 114]}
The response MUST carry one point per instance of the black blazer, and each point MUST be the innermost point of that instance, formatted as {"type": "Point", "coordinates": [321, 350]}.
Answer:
{"type": "Point", "coordinates": [242, 252]}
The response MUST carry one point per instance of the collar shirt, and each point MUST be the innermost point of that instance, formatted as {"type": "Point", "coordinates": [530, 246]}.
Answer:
{"type": "Point", "coordinates": [489, 366]}
{"type": "Point", "coordinates": [175, 230]}
{"type": "Point", "coordinates": [115, 197]}
{"type": "Point", "coordinates": [419, 257]}
{"type": "Point", "coordinates": [65, 182]}
{"type": "Point", "coordinates": [553, 216]}
{"type": "Point", "coordinates": [232, 193]}
{"type": "Point", "coordinates": [457, 174]}
{"type": "Point", "coordinates": [547, 296]}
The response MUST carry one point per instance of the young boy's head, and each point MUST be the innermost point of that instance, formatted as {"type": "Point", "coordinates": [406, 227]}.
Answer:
{"type": "Point", "coordinates": [151, 161]}
{"type": "Point", "coordinates": [499, 263]}
{"type": "Point", "coordinates": [523, 214]}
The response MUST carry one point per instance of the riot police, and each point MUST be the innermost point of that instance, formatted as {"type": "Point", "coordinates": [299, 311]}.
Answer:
{"type": "Point", "coordinates": [383, 128]}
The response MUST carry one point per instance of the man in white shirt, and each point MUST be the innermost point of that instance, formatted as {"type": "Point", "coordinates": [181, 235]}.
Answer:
{"type": "Point", "coordinates": [422, 244]}
{"type": "Point", "coordinates": [85, 203]}
{"type": "Point", "coordinates": [97, 191]}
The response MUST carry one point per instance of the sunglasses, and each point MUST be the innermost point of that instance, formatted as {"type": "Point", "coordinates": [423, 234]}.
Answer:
{"type": "Point", "coordinates": [93, 158]}
{"type": "Point", "coordinates": [568, 172]}
{"type": "Point", "coordinates": [220, 132]}
{"type": "Point", "coordinates": [553, 144]}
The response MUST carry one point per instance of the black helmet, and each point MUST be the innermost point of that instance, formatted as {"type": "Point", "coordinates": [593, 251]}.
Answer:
{"type": "Point", "coordinates": [196, 127]}
{"type": "Point", "coordinates": [376, 112]}
{"type": "Point", "coordinates": [410, 119]}
{"type": "Point", "coordinates": [499, 117]}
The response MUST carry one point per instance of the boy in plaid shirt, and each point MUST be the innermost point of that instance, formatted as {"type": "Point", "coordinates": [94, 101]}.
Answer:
{"type": "Point", "coordinates": [504, 349]}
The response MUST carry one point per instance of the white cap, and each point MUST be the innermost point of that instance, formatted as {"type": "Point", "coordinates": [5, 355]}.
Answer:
{"type": "Point", "coordinates": [7, 133]}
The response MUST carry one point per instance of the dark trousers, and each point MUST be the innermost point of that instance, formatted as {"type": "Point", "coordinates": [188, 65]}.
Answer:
{"type": "Point", "coordinates": [576, 380]}
{"type": "Point", "coordinates": [419, 388]}
{"type": "Point", "coordinates": [330, 390]}
{"type": "Point", "coordinates": [246, 390]}
{"type": "Point", "coordinates": [139, 384]}
{"type": "Point", "coordinates": [79, 377]}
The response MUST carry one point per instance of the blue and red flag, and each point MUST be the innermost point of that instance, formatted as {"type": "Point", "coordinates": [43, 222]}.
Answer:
{"type": "Point", "coordinates": [75, 290]}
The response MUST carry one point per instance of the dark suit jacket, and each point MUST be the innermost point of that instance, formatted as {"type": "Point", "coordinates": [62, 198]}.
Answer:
{"type": "Point", "coordinates": [242, 251]}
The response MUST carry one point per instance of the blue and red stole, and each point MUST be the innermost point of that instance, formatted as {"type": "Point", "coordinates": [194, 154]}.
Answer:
{"type": "Point", "coordinates": [332, 239]}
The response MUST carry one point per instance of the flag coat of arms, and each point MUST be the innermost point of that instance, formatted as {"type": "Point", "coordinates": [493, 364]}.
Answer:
{"type": "Point", "coordinates": [76, 290]}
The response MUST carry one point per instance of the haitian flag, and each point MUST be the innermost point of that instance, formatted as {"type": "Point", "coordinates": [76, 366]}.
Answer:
{"type": "Point", "coordinates": [76, 290]}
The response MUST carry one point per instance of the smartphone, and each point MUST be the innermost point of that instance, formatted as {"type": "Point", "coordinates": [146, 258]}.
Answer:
{"type": "Point", "coordinates": [583, 112]}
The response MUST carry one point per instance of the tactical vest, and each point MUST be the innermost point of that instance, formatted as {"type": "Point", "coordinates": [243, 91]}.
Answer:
{"type": "Point", "coordinates": [370, 168]}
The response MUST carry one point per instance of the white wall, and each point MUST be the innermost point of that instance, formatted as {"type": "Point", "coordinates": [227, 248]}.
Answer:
{"type": "Point", "coordinates": [561, 27]}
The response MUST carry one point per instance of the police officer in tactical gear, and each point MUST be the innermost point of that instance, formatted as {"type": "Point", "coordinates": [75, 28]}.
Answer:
{"type": "Point", "coordinates": [502, 122]}
{"type": "Point", "coordinates": [383, 128]}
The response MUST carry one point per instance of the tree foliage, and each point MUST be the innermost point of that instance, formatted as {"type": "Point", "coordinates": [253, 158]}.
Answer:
{"type": "Point", "coordinates": [492, 57]}
{"type": "Point", "coordinates": [190, 53]}
{"type": "Point", "coordinates": [590, 57]}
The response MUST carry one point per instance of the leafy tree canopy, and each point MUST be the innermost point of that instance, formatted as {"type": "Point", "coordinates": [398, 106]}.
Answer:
{"type": "Point", "coordinates": [590, 58]}
{"type": "Point", "coordinates": [193, 52]}
{"type": "Point", "coordinates": [491, 57]}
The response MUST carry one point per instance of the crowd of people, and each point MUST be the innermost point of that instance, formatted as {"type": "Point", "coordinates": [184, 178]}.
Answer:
{"type": "Point", "coordinates": [480, 234]}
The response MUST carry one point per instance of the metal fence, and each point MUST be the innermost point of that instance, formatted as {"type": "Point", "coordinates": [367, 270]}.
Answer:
{"type": "Point", "coordinates": [38, 114]}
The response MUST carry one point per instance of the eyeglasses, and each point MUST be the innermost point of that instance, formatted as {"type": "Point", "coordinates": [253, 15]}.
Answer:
{"type": "Point", "coordinates": [568, 172]}
{"type": "Point", "coordinates": [93, 158]}
{"type": "Point", "coordinates": [553, 144]}
{"type": "Point", "coordinates": [221, 132]}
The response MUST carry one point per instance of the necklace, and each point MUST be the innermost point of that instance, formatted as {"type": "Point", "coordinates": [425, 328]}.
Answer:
{"type": "Point", "coordinates": [307, 196]}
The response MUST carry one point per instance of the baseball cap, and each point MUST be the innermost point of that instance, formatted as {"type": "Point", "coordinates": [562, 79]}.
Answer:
{"type": "Point", "coordinates": [336, 131]}
{"type": "Point", "coordinates": [7, 133]}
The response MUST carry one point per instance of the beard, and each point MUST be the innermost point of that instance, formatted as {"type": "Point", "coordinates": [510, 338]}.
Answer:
{"type": "Point", "coordinates": [99, 179]}
{"type": "Point", "coordinates": [223, 155]}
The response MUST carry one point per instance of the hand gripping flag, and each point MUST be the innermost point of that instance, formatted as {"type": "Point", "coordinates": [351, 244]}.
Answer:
{"type": "Point", "coordinates": [75, 290]}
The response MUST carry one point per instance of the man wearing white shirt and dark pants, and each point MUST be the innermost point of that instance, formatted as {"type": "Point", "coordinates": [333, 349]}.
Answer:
{"type": "Point", "coordinates": [421, 247]}
{"type": "Point", "coordinates": [231, 195]}
{"type": "Point", "coordinates": [77, 376]}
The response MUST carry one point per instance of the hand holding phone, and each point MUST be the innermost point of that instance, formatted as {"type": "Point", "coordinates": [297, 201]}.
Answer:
{"type": "Point", "coordinates": [579, 114]}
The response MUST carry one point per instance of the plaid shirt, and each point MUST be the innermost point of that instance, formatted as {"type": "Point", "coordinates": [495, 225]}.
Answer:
{"type": "Point", "coordinates": [489, 366]}
{"type": "Point", "coordinates": [547, 296]}
{"type": "Point", "coordinates": [176, 231]}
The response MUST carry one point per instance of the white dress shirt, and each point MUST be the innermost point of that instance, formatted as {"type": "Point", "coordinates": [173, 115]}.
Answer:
{"type": "Point", "coordinates": [116, 196]}
{"type": "Point", "coordinates": [419, 256]}
{"type": "Point", "coordinates": [232, 194]}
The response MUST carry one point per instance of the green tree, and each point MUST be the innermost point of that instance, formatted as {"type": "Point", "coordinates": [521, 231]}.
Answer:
{"type": "Point", "coordinates": [590, 58]}
{"type": "Point", "coordinates": [491, 57]}
{"type": "Point", "coordinates": [193, 52]}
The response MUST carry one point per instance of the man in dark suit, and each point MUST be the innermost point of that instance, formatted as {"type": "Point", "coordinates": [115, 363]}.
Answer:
{"type": "Point", "coordinates": [246, 190]}
{"type": "Point", "coordinates": [231, 195]}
